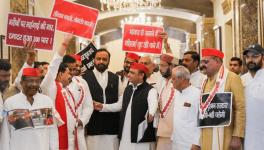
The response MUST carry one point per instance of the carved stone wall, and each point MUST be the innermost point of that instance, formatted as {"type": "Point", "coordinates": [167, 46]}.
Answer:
{"type": "Point", "coordinates": [248, 22]}
{"type": "Point", "coordinates": [208, 36]}
{"type": "Point", "coordinates": [18, 56]}
{"type": "Point", "coordinates": [71, 49]}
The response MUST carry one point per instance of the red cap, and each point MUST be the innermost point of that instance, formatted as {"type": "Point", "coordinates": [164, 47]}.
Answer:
{"type": "Point", "coordinates": [212, 52]}
{"type": "Point", "coordinates": [76, 57]}
{"type": "Point", "coordinates": [140, 66]}
{"type": "Point", "coordinates": [32, 72]}
{"type": "Point", "coordinates": [167, 57]}
{"type": "Point", "coordinates": [133, 56]}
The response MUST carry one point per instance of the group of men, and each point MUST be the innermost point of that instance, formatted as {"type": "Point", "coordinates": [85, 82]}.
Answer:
{"type": "Point", "coordinates": [135, 108]}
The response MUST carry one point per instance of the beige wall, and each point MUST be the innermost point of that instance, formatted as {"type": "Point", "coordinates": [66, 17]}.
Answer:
{"type": "Point", "coordinates": [4, 9]}
{"type": "Point", "coordinates": [221, 20]}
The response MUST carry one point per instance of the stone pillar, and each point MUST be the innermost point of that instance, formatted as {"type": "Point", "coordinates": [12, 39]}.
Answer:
{"type": "Point", "coordinates": [248, 23]}
{"type": "Point", "coordinates": [71, 49]}
{"type": "Point", "coordinates": [18, 56]}
{"type": "Point", "coordinates": [208, 36]}
{"type": "Point", "coordinates": [191, 42]}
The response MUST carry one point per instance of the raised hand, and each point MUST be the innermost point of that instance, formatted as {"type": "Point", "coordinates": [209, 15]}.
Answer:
{"type": "Point", "coordinates": [29, 48]}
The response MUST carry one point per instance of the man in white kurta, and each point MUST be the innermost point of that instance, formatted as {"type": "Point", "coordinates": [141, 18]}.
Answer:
{"type": "Point", "coordinates": [254, 100]}
{"type": "Point", "coordinates": [76, 87]}
{"type": "Point", "coordinates": [186, 134]}
{"type": "Point", "coordinates": [42, 137]}
{"type": "Point", "coordinates": [5, 68]}
{"type": "Point", "coordinates": [126, 130]}
{"type": "Point", "coordinates": [103, 83]}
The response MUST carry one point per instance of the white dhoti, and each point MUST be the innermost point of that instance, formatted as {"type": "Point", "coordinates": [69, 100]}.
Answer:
{"type": "Point", "coordinates": [102, 142]}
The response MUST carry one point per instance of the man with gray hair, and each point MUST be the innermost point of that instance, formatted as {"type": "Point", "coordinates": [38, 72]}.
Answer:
{"type": "Point", "coordinates": [186, 134]}
{"type": "Point", "coordinates": [148, 61]}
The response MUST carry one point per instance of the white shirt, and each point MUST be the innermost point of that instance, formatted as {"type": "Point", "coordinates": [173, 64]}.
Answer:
{"type": "Point", "coordinates": [246, 79]}
{"type": "Point", "coordinates": [154, 77]}
{"type": "Point", "coordinates": [85, 110]}
{"type": "Point", "coordinates": [44, 138]}
{"type": "Point", "coordinates": [197, 79]}
{"type": "Point", "coordinates": [102, 79]}
{"type": "Point", "coordinates": [125, 143]}
{"type": "Point", "coordinates": [185, 128]}
{"type": "Point", "coordinates": [254, 135]}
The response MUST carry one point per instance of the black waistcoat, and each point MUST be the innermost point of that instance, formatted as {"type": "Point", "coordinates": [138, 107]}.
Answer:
{"type": "Point", "coordinates": [102, 123]}
{"type": "Point", "coordinates": [139, 108]}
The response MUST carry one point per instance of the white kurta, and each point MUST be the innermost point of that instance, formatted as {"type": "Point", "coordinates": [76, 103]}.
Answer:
{"type": "Point", "coordinates": [124, 83]}
{"type": "Point", "coordinates": [153, 79]}
{"type": "Point", "coordinates": [85, 110]}
{"type": "Point", "coordinates": [44, 138]}
{"type": "Point", "coordinates": [110, 142]}
{"type": "Point", "coordinates": [185, 124]}
{"type": "Point", "coordinates": [197, 78]}
{"type": "Point", "coordinates": [125, 143]}
{"type": "Point", "coordinates": [246, 79]}
{"type": "Point", "coordinates": [254, 135]}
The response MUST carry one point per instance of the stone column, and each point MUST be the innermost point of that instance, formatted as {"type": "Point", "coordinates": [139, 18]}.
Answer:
{"type": "Point", "coordinates": [248, 23]}
{"type": "Point", "coordinates": [18, 56]}
{"type": "Point", "coordinates": [191, 43]}
{"type": "Point", "coordinates": [71, 49]}
{"type": "Point", "coordinates": [208, 36]}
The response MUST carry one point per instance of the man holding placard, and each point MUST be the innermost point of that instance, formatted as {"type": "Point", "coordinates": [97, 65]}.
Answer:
{"type": "Point", "coordinates": [222, 106]}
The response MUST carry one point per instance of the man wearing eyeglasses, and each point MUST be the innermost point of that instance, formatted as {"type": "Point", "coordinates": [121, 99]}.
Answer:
{"type": "Point", "coordinates": [253, 55]}
{"type": "Point", "coordinates": [254, 98]}
{"type": "Point", "coordinates": [228, 134]}
{"type": "Point", "coordinates": [123, 74]}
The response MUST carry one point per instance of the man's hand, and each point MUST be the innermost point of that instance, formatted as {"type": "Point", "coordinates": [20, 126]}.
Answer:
{"type": "Point", "coordinates": [236, 143]}
{"type": "Point", "coordinates": [195, 147]}
{"type": "Point", "coordinates": [97, 106]}
{"type": "Point", "coordinates": [150, 118]}
{"type": "Point", "coordinates": [29, 48]}
{"type": "Point", "coordinates": [64, 44]}
{"type": "Point", "coordinates": [164, 36]}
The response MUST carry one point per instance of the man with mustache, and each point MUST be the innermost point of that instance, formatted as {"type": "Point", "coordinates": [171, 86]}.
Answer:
{"type": "Point", "coordinates": [130, 59]}
{"type": "Point", "coordinates": [220, 80]}
{"type": "Point", "coordinates": [105, 89]}
{"type": "Point", "coordinates": [254, 56]}
{"type": "Point", "coordinates": [166, 100]}
{"type": "Point", "coordinates": [253, 65]}
{"type": "Point", "coordinates": [44, 137]}
{"type": "Point", "coordinates": [191, 60]}
{"type": "Point", "coordinates": [5, 74]}
{"type": "Point", "coordinates": [71, 97]}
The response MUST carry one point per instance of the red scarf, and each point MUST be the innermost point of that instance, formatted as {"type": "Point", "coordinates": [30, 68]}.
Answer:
{"type": "Point", "coordinates": [60, 107]}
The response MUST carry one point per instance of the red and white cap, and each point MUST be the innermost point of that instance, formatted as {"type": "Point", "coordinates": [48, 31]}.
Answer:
{"type": "Point", "coordinates": [31, 72]}
{"type": "Point", "coordinates": [133, 56]}
{"type": "Point", "coordinates": [140, 67]}
{"type": "Point", "coordinates": [212, 52]}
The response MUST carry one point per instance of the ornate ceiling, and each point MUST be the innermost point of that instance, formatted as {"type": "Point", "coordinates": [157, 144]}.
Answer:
{"type": "Point", "coordinates": [177, 14]}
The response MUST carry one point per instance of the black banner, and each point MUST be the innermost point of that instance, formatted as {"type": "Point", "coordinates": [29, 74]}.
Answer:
{"type": "Point", "coordinates": [218, 112]}
{"type": "Point", "coordinates": [87, 56]}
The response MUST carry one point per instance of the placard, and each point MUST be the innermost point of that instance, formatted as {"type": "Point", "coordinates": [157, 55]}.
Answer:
{"type": "Point", "coordinates": [75, 18]}
{"type": "Point", "coordinates": [219, 111]}
{"type": "Point", "coordinates": [87, 57]}
{"type": "Point", "coordinates": [22, 28]}
{"type": "Point", "coordinates": [141, 38]}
